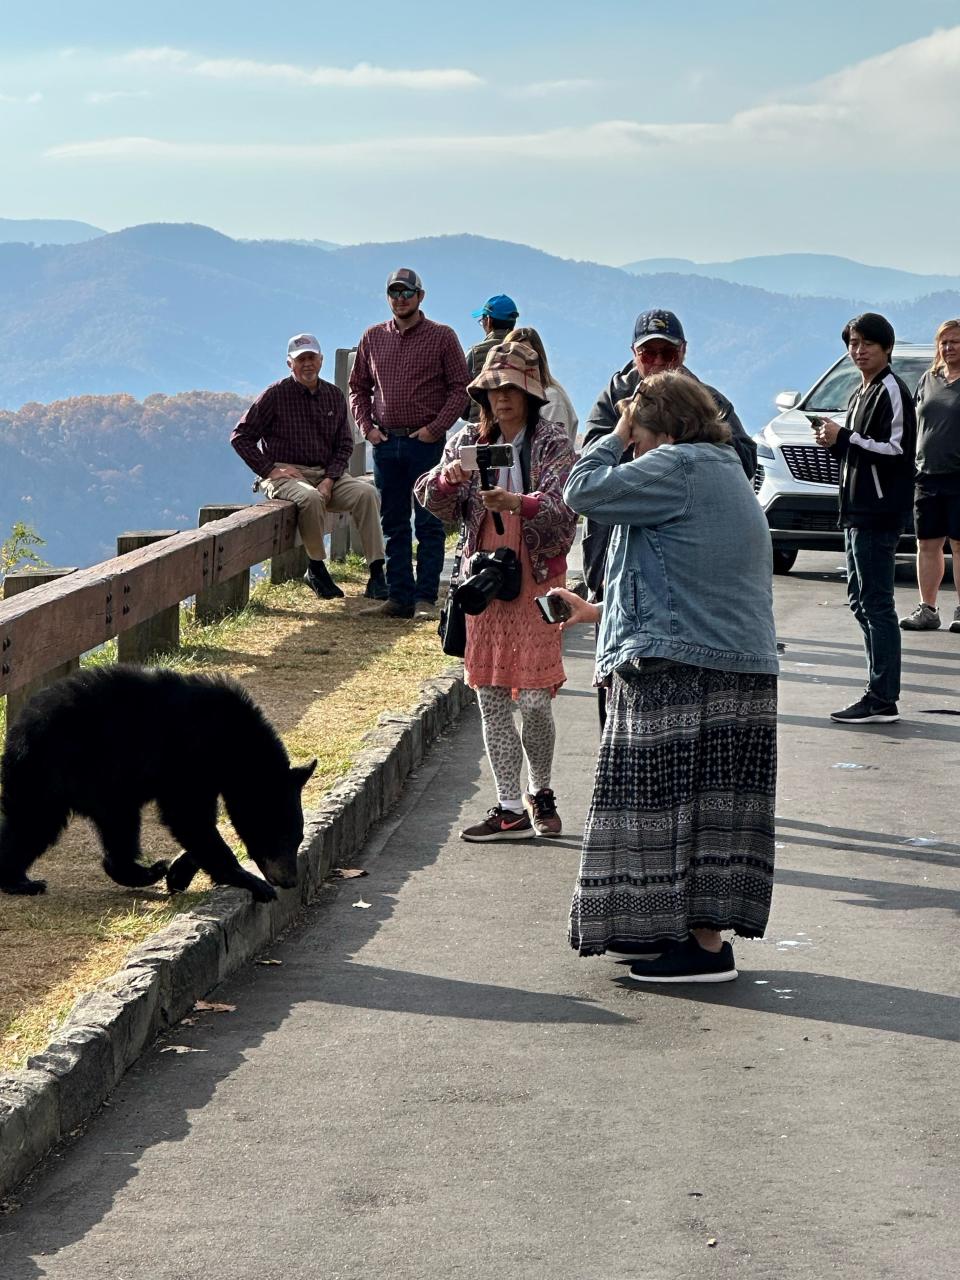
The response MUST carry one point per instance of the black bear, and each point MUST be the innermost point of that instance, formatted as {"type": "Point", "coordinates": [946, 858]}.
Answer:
{"type": "Point", "coordinates": [104, 742]}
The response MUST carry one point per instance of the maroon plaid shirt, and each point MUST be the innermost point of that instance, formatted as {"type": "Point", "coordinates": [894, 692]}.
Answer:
{"type": "Point", "coordinates": [414, 378]}
{"type": "Point", "coordinates": [288, 423]}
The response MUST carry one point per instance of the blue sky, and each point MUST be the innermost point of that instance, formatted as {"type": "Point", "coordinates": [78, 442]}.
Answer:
{"type": "Point", "coordinates": [611, 131]}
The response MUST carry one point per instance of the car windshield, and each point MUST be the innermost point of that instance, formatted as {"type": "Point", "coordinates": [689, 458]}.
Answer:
{"type": "Point", "coordinates": [832, 393]}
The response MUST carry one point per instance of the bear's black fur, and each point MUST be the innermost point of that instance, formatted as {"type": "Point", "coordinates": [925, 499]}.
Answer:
{"type": "Point", "coordinates": [106, 741]}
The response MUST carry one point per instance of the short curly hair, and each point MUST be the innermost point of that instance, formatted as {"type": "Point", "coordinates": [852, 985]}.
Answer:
{"type": "Point", "coordinates": [677, 405]}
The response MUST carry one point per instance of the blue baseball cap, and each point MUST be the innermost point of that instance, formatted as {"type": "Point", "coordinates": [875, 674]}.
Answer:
{"type": "Point", "coordinates": [500, 307]}
{"type": "Point", "coordinates": [657, 324]}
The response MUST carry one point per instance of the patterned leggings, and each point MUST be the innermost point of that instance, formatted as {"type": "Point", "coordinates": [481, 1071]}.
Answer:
{"type": "Point", "coordinates": [506, 748]}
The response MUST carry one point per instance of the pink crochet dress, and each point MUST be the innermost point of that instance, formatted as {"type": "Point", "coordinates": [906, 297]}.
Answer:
{"type": "Point", "coordinates": [509, 644]}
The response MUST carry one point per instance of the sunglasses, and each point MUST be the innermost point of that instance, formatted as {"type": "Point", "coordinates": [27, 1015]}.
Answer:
{"type": "Point", "coordinates": [402, 293]}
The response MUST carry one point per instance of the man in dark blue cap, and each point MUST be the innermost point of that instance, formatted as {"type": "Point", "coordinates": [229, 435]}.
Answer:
{"type": "Point", "coordinates": [497, 317]}
{"type": "Point", "coordinates": [659, 345]}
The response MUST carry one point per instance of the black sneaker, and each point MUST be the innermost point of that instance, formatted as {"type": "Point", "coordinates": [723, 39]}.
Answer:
{"type": "Point", "coordinates": [687, 962]}
{"type": "Point", "coordinates": [869, 710]}
{"type": "Point", "coordinates": [924, 618]}
{"type": "Point", "coordinates": [500, 824]}
{"type": "Point", "coordinates": [320, 583]}
{"type": "Point", "coordinates": [376, 588]}
{"type": "Point", "coordinates": [955, 624]}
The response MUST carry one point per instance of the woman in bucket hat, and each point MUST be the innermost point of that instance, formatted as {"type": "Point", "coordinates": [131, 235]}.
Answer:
{"type": "Point", "coordinates": [513, 657]}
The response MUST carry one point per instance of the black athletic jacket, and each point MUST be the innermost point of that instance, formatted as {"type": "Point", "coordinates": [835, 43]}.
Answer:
{"type": "Point", "coordinates": [877, 445]}
{"type": "Point", "coordinates": [603, 418]}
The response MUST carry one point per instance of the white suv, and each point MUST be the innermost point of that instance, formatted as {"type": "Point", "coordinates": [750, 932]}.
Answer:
{"type": "Point", "coordinates": [796, 480]}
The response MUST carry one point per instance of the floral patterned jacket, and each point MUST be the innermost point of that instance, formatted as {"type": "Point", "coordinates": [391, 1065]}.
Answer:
{"type": "Point", "coordinates": [548, 525]}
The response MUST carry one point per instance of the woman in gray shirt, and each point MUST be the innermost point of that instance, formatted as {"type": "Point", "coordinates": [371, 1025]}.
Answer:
{"type": "Point", "coordinates": [936, 510]}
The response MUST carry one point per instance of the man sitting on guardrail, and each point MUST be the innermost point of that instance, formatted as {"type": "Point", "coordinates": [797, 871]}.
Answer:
{"type": "Point", "coordinates": [297, 439]}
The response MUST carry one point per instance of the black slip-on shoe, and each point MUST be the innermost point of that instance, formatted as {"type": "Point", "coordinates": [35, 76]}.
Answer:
{"type": "Point", "coordinates": [687, 962]}
{"type": "Point", "coordinates": [320, 583]}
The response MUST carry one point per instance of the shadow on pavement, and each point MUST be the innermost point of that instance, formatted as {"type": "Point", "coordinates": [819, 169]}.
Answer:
{"type": "Point", "coordinates": [938, 853]}
{"type": "Point", "coordinates": [399, 991]}
{"type": "Point", "coordinates": [824, 997]}
{"type": "Point", "coordinates": [903, 731]}
{"type": "Point", "coordinates": [881, 895]}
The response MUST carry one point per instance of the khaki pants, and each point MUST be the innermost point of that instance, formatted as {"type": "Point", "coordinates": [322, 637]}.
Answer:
{"type": "Point", "coordinates": [350, 493]}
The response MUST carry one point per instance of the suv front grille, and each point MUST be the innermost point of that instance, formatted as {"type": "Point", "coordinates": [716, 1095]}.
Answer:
{"type": "Point", "coordinates": [810, 463]}
{"type": "Point", "coordinates": [758, 478]}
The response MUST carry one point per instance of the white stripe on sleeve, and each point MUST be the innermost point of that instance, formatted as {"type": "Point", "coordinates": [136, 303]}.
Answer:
{"type": "Point", "coordinates": [893, 446]}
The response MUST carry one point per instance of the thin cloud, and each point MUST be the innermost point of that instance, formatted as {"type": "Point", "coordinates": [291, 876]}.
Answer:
{"type": "Point", "coordinates": [362, 76]}
{"type": "Point", "coordinates": [901, 99]}
{"type": "Point", "coordinates": [98, 96]}
{"type": "Point", "coordinates": [27, 99]}
{"type": "Point", "coordinates": [543, 88]}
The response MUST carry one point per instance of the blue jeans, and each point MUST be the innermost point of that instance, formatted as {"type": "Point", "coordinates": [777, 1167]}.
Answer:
{"type": "Point", "coordinates": [871, 565]}
{"type": "Point", "coordinates": [397, 463]}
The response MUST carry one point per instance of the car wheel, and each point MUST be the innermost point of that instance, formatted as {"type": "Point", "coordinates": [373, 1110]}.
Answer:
{"type": "Point", "coordinates": [783, 561]}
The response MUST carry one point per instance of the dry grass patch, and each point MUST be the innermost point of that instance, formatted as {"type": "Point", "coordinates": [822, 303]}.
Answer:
{"type": "Point", "coordinates": [321, 673]}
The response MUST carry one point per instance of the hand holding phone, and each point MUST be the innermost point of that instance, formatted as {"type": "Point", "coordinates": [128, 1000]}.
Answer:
{"type": "Point", "coordinates": [553, 608]}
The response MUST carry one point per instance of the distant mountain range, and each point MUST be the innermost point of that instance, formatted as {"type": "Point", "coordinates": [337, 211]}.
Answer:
{"type": "Point", "coordinates": [176, 307]}
{"type": "Point", "coordinates": [46, 231]}
{"type": "Point", "coordinates": [808, 275]}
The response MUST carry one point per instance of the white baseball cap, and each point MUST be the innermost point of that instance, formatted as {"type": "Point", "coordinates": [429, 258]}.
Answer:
{"type": "Point", "coordinates": [300, 343]}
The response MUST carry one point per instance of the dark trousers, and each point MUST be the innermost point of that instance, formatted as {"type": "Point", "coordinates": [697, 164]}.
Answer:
{"type": "Point", "coordinates": [871, 567]}
{"type": "Point", "coordinates": [397, 463]}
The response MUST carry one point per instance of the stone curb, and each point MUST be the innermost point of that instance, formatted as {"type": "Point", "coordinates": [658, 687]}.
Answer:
{"type": "Point", "coordinates": [111, 1026]}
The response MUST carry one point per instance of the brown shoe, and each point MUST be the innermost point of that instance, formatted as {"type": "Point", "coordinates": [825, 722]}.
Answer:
{"type": "Point", "coordinates": [500, 824]}
{"type": "Point", "coordinates": [389, 609]}
{"type": "Point", "coordinates": [425, 609]}
{"type": "Point", "coordinates": [542, 809]}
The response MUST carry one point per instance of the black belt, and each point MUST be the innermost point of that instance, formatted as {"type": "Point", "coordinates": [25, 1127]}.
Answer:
{"type": "Point", "coordinates": [400, 431]}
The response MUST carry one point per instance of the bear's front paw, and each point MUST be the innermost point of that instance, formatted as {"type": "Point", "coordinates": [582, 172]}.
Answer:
{"type": "Point", "coordinates": [24, 886]}
{"type": "Point", "coordinates": [180, 873]}
{"type": "Point", "coordinates": [157, 870]}
{"type": "Point", "coordinates": [261, 891]}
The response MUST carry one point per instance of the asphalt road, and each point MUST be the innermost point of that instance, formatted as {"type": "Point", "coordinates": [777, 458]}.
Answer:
{"type": "Point", "coordinates": [434, 1085]}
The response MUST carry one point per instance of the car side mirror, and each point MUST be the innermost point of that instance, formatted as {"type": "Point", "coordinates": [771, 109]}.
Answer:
{"type": "Point", "coordinates": [787, 400]}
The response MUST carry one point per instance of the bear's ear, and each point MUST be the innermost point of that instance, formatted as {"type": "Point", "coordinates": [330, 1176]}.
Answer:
{"type": "Point", "coordinates": [303, 773]}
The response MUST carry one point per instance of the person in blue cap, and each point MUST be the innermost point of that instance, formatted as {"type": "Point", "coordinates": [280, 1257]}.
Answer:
{"type": "Point", "coordinates": [497, 317]}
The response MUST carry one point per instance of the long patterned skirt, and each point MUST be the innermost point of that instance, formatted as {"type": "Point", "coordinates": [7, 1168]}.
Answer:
{"type": "Point", "coordinates": [680, 832]}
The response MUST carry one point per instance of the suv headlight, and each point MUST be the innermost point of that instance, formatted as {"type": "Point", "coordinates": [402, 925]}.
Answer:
{"type": "Point", "coordinates": [764, 450]}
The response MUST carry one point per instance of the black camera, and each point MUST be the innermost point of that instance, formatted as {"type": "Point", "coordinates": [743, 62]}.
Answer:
{"type": "Point", "coordinates": [494, 575]}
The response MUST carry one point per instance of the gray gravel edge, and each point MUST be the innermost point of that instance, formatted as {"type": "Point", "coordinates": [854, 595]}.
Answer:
{"type": "Point", "coordinates": [112, 1025]}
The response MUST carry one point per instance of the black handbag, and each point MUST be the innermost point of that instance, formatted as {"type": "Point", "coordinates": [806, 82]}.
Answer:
{"type": "Point", "coordinates": [452, 627]}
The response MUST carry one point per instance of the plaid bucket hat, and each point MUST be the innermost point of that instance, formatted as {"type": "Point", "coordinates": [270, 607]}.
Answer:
{"type": "Point", "coordinates": [511, 364]}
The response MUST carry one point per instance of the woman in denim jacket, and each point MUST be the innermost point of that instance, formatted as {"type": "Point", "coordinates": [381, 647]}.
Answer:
{"type": "Point", "coordinates": [679, 841]}
{"type": "Point", "coordinates": [513, 657]}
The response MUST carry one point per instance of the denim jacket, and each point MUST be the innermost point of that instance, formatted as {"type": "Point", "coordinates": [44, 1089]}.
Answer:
{"type": "Point", "coordinates": [689, 569]}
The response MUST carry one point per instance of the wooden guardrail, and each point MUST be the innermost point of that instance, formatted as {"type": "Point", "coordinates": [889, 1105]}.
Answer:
{"type": "Point", "coordinates": [49, 625]}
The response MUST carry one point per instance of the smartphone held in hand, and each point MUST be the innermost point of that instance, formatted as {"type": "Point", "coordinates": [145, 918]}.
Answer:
{"type": "Point", "coordinates": [473, 457]}
{"type": "Point", "coordinates": [553, 608]}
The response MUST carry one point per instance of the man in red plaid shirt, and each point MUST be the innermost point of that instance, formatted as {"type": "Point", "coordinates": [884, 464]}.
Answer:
{"type": "Point", "coordinates": [407, 388]}
{"type": "Point", "coordinates": [297, 439]}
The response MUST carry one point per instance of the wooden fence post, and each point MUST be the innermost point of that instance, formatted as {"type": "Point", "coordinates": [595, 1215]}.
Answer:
{"type": "Point", "coordinates": [159, 634]}
{"type": "Point", "coordinates": [346, 536]}
{"type": "Point", "coordinates": [15, 582]}
{"type": "Point", "coordinates": [288, 565]}
{"type": "Point", "coordinates": [231, 595]}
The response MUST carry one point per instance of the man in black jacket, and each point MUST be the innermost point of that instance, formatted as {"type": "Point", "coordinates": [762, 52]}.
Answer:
{"type": "Point", "coordinates": [659, 345]}
{"type": "Point", "coordinates": [876, 446]}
